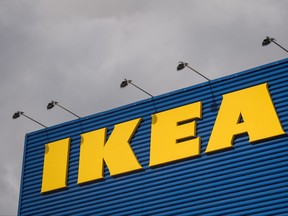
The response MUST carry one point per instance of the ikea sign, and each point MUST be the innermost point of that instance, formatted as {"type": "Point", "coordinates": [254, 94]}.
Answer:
{"type": "Point", "coordinates": [173, 137]}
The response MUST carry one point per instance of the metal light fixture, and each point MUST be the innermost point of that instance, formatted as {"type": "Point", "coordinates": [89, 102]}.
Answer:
{"type": "Point", "coordinates": [55, 103]}
{"type": "Point", "coordinates": [182, 65]}
{"type": "Point", "coordinates": [127, 82]}
{"type": "Point", "coordinates": [19, 113]}
{"type": "Point", "coordinates": [269, 40]}
{"type": "Point", "coordinates": [50, 105]}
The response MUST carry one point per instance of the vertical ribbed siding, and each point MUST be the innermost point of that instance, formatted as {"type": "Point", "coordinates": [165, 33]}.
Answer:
{"type": "Point", "coordinates": [250, 179]}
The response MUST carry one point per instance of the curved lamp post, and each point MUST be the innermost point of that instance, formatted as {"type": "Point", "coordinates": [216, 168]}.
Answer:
{"type": "Point", "coordinates": [19, 113]}
{"type": "Point", "coordinates": [127, 82]}
{"type": "Point", "coordinates": [269, 40]}
{"type": "Point", "coordinates": [182, 65]}
{"type": "Point", "coordinates": [54, 103]}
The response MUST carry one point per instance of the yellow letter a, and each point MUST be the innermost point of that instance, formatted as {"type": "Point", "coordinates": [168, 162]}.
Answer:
{"type": "Point", "coordinates": [249, 110]}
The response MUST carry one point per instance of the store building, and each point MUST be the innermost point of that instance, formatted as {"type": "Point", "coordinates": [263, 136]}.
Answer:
{"type": "Point", "coordinates": [216, 148]}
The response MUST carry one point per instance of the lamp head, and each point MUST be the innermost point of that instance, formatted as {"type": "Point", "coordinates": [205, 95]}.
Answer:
{"type": "Point", "coordinates": [17, 115]}
{"type": "Point", "coordinates": [181, 65]}
{"type": "Point", "coordinates": [267, 41]}
{"type": "Point", "coordinates": [51, 105]}
{"type": "Point", "coordinates": [125, 83]}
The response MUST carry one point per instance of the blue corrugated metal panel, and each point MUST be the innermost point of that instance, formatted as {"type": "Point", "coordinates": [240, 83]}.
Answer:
{"type": "Point", "coordinates": [251, 179]}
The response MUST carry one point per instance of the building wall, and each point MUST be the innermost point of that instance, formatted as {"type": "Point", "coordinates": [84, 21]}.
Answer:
{"type": "Point", "coordinates": [250, 179]}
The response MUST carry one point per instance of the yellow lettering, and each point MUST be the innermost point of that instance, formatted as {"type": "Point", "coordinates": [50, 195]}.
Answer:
{"type": "Point", "coordinates": [249, 110]}
{"type": "Point", "coordinates": [173, 134]}
{"type": "Point", "coordinates": [55, 166]}
{"type": "Point", "coordinates": [173, 137]}
{"type": "Point", "coordinates": [116, 152]}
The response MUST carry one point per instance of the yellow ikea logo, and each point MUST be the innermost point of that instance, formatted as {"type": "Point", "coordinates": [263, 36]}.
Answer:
{"type": "Point", "coordinates": [173, 137]}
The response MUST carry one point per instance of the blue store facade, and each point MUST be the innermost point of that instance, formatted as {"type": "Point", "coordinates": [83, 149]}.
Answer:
{"type": "Point", "coordinates": [247, 179]}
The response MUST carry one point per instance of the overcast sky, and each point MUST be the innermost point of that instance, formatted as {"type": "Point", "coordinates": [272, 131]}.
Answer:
{"type": "Point", "coordinates": [78, 52]}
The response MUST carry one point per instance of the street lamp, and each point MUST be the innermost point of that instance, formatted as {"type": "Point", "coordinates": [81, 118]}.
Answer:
{"type": "Point", "coordinates": [54, 103]}
{"type": "Point", "coordinates": [182, 65]}
{"type": "Point", "coordinates": [127, 82]}
{"type": "Point", "coordinates": [19, 113]}
{"type": "Point", "coordinates": [269, 40]}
